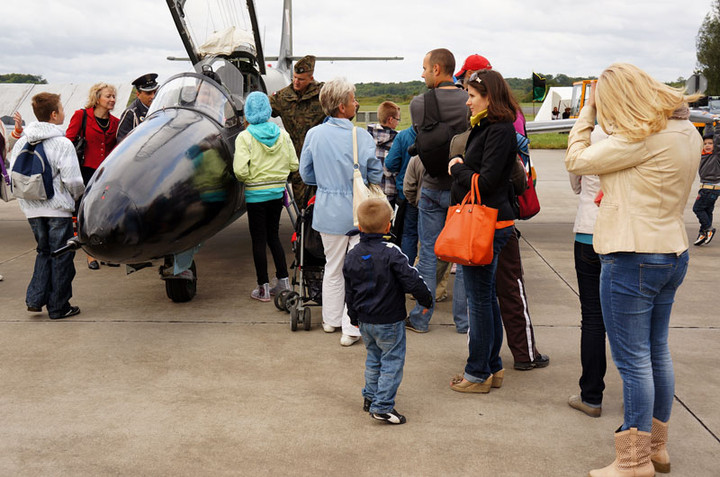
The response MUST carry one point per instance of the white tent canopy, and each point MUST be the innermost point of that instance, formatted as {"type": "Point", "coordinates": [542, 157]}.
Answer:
{"type": "Point", "coordinates": [557, 96]}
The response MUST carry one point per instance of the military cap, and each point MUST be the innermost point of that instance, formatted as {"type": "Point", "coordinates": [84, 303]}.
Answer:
{"type": "Point", "coordinates": [146, 82]}
{"type": "Point", "coordinates": [306, 64]}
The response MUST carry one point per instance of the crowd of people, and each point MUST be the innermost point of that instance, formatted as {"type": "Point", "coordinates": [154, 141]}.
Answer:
{"type": "Point", "coordinates": [632, 159]}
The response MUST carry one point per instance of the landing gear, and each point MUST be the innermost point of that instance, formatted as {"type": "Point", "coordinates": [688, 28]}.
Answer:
{"type": "Point", "coordinates": [179, 288]}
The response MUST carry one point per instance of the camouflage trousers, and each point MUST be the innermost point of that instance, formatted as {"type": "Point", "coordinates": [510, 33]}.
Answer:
{"type": "Point", "coordinates": [301, 191]}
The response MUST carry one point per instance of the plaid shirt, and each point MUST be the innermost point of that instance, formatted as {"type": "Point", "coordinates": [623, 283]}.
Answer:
{"type": "Point", "coordinates": [384, 138]}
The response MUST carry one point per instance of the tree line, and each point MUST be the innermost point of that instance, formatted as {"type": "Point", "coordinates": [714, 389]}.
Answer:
{"type": "Point", "coordinates": [22, 78]}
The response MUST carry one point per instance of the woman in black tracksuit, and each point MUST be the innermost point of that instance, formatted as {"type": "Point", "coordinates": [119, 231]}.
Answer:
{"type": "Point", "coordinates": [491, 152]}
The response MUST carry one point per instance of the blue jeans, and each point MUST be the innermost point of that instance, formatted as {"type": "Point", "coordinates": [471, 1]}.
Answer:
{"type": "Point", "coordinates": [459, 304]}
{"type": "Point", "coordinates": [385, 344]}
{"type": "Point", "coordinates": [637, 291]}
{"type": "Point", "coordinates": [409, 241]}
{"type": "Point", "coordinates": [704, 206]}
{"type": "Point", "coordinates": [485, 333]}
{"type": "Point", "coordinates": [433, 208]}
{"type": "Point", "coordinates": [51, 283]}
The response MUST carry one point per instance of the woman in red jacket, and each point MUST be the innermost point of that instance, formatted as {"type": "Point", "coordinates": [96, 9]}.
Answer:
{"type": "Point", "coordinates": [100, 133]}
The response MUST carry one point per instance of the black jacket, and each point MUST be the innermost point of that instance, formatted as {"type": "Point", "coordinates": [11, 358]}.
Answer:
{"type": "Point", "coordinates": [491, 151]}
{"type": "Point", "coordinates": [377, 276]}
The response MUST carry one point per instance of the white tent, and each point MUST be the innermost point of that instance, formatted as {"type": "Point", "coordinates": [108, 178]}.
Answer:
{"type": "Point", "coordinates": [18, 97]}
{"type": "Point", "coordinates": [557, 96]}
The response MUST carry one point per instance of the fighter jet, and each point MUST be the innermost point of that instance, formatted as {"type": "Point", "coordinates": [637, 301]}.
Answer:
{"type": "Point", "coordinates": [169, 185]}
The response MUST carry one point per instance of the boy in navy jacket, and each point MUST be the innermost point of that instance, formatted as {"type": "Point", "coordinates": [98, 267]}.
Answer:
{"type": "Point", "coordinates": [377, 276]}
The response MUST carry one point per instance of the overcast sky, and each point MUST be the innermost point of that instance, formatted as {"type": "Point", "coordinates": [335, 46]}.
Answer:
{"type": "Point", "coordinates": [86, 41]}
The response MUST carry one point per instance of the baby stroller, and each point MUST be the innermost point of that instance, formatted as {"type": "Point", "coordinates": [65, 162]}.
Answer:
{"type": "Point", "coordinates": [308, 267]}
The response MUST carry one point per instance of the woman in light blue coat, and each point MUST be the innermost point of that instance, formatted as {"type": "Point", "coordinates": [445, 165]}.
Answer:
{"type": "Point", "coordinates": [327, 161]}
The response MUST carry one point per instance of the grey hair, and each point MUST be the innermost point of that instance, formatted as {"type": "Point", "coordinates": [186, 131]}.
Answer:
{"type": "Point", "coordinates": [334, 93]}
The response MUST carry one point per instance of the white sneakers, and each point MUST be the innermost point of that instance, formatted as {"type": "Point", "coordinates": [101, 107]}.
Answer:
{"type": "Point", "coordinates": [328, 328]}
{"type": "Point", "coordinates": [348, 340]}
{"type": "Point", "coordinates": [279, 285]}
{"type": "Point", "coordinates": [261, 292]}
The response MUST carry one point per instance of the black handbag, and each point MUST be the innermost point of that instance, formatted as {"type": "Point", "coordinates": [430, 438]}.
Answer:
{"type": "Point", "coordinates": [80, 142]}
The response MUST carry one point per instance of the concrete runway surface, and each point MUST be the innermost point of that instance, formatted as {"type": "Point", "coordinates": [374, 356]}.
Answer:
{"type": "Point", "coordinates": [138, 385]}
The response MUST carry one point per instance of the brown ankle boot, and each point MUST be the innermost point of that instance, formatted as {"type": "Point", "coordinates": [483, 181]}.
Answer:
{"type": "Point", "coordinates": [658, 450]}
{"type": "Point", "coordinates": [632, 451]}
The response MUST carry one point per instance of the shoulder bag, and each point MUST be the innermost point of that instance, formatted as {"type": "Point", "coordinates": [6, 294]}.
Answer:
{"type": "Point", "coordinates": [80, 142]}
{"type": "Point", "coordinates": [361, 191]}
{"type": "Point", "coordinates": [469, 231]}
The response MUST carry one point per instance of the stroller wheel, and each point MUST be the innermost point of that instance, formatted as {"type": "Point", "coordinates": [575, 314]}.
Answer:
{"type": "Point", "coordinates": [292, 299]}
{"type": "Point", "coordinates": [280, 300]}
{"type": "Point", "coordinates": [306, 319]}
{"type": "Point", "coordinates": [294, 318]}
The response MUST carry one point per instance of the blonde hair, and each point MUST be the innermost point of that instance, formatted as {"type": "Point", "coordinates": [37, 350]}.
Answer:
{"type": "Point", "coordinates": [96, 91]}
{"type": "Point", "coordinates": [632, 104]}
{"type": "Point", "coordinates": [334, 93]}
{"type": "Point", "coordinates": [374, 215]}
{"type": "Point", "coordinates": [386, 110]}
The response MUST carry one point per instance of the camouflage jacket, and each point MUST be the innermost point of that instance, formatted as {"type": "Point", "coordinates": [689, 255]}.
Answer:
{"type": "Point", "coordinates": [298, 113]}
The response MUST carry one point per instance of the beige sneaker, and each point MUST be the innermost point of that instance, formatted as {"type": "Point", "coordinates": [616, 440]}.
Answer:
{"type": "Point", "coordinates": [348, 340]}
{"type": "Point", "coordinates": [576, 402]}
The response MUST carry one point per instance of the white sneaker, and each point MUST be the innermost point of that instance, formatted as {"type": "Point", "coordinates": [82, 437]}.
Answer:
{"type": "Point", "coordinates": [328, 328]}
{"type": "Point", "coordinates": [348, 340]}
{"type": "Point", "coordinates": [261, 292]}
{"type": "Point", "coordinates": [1, 278]}
{"type": "Point", "coordinates": [279, 285]}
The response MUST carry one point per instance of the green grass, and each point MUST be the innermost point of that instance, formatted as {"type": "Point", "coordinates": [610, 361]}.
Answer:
{"type": "Point", "coordinates": [537, 141]}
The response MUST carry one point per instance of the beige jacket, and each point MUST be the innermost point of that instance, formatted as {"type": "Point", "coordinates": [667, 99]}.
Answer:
{"type": "Point", "coordinates": [645, 184]}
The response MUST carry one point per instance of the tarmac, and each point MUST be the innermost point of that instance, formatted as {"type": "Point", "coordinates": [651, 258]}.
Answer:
{"type": "Point", "coordinates": [138, 385]}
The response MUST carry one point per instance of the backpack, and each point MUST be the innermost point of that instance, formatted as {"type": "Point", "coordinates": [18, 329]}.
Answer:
{"type": "Point", "coordinates": [433, 138]}
{"type": "Point", "coordinates": [31, 175]}
{"type": "Point", "coordinates": [527, 204]}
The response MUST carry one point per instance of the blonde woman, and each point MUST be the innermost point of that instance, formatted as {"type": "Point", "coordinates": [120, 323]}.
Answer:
{"type": "Point", "coordinates": [646, 168]}
{"type": "Point", "coordinates": [100, 132]}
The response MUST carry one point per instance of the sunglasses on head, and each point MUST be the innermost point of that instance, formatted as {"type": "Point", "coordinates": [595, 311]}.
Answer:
{"type": "Point", "coordinates": [475, 77]}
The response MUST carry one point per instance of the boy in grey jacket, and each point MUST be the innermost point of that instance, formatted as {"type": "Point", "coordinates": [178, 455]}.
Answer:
{"type": "Point", "coordinates": [51, 220]}
{"type": "Point", "coordinates": [710, 185]}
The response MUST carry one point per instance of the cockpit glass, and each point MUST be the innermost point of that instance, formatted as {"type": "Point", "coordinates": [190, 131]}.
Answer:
{"type": "Point", "coordinates": [196, 93]}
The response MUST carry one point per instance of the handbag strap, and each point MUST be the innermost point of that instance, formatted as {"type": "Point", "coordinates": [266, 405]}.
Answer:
{"type": "Point", "coordinates": [84, 123]}
{"type": "Point", "coordinates": [355, 148]}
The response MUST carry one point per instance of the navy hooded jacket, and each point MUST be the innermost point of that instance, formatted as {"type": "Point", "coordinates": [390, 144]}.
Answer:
{"type": "Point", "coordinates": [377, 276]}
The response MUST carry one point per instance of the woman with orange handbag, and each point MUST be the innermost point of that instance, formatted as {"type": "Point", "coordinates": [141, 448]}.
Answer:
{"type": "Point", "coordinates": [489, 158]}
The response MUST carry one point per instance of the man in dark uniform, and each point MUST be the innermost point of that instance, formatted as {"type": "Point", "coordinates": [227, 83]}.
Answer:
{"type": "Point", "coordinates": [145, 87]}
{"type": "Point", "coordinates": [298, 105]}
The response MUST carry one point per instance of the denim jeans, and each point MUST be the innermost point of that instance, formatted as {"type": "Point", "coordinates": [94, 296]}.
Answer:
{"type": "Point", "coordinates": [704, 206]}
{"type": "Point", "coordinates": [485, 332]}
{"type": "Point", "coordinates": [385, 344]}
{"type": "Point", "coordinates": [432, 208]}
{"type": "Point", "coordinates": [459, 304]}
{"type": "Point", "coordinates": [409, 241]}
{"type": "Point", "coordinates": [637, 291]}
{"type": "Point", "coordinates": [592, 328]}
{"type": "Point", "coordinates": [51, 283]}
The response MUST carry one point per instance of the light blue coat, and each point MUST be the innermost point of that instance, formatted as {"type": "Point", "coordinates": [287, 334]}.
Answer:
{"type": "Point", "coordinates": [327, 161]}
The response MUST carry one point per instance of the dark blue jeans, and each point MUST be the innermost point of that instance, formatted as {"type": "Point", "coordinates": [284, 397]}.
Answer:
{"type": "Point", "coordinates": [385, 344]}
{"type": "Point", "coordinates": [485, 331]}
{"type": "Point", "coordinates": [51, 283]}
{"type": "Point", "coordinates": [637, 291]}
{"type": "Point", "coordinates": [592, 328]}
{"type": "Point", "coordinates": [409, 241]}
{"type": "Point", "coordinates": [704, 206]}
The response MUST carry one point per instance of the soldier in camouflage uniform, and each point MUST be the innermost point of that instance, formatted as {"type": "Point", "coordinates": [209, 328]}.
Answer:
{"type": "Point", "coordinates": [298, 105]}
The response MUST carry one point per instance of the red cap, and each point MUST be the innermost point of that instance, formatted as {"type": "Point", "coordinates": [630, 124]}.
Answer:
{"type": "Point", "coordinates": [474, 63]}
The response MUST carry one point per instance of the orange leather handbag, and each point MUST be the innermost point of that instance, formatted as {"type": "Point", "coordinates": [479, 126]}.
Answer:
{"type": "Point", "coordinates": [467, 237]}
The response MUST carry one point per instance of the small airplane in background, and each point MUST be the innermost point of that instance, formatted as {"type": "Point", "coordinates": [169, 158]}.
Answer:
{"type": "Point", "coordinates": [169, 185]}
